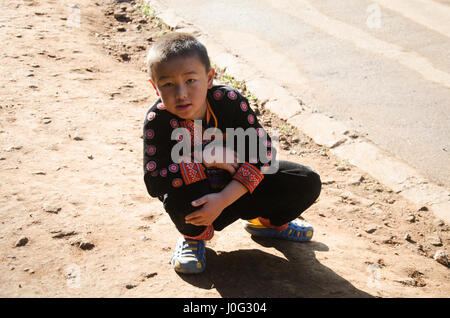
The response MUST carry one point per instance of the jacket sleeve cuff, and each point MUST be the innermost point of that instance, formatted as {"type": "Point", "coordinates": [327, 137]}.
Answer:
{"type": "Point", "coordinates": [249, 176]}
{"type": "Point", "coordinates": [192, 172]}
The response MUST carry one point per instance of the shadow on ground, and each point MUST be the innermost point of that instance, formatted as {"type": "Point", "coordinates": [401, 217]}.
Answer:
{"type": "Point", "coordinates": [254, 273]}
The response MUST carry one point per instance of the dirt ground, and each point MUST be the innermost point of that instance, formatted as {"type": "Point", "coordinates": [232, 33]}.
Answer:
{"type": "Point", "coordinates": [76, 220]}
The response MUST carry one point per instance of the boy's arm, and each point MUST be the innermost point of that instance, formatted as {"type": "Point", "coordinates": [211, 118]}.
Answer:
{"type": "Point", "coordinates": [250, 172]}
{"type": "Point", "coordinates": [233, 191]}
{"type": "Point", "coordinates": [213, 204]}
{"type": "Point", "coordinates": [248, 175]}
{"type": "Point", "coordinates": [161, 174]}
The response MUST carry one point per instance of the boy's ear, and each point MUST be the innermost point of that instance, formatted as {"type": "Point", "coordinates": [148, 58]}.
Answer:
{"type": "Point", "coordinates": [211, 74]}
{"type": "Point", "coordinates": [154, 86]}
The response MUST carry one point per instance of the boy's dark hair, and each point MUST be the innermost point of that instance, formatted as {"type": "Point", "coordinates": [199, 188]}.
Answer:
{"type": "Point", "coordinates": [174, 45]}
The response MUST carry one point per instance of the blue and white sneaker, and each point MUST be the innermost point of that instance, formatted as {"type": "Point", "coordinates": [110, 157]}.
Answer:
{"type": "Point", "coordinates": [189, 256]}
{"type": "Point", "coordinates": [297, 230]}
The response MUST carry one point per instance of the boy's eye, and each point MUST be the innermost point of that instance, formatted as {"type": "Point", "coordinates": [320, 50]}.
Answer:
{"type": "Point", "coordinates": [167, 85]}
{"type": "Point", "coordinates": [191, 80]}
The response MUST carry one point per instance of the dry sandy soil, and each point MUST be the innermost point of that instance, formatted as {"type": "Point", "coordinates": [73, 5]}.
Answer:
{"type": "Point", "coordinates": [76, 220]}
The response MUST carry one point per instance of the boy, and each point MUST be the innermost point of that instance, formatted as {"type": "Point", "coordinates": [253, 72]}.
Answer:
{"type": "Point", "coordinates": [215, 184]}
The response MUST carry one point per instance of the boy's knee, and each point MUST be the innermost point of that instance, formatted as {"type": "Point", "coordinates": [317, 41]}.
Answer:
{"type": "Point", "coordinates": [177, 211]}
{"type": "Point", "coordinates": [312, 185]}
{"type": "Point", "coordinates": [178, 219]}
{"type": "Point", "coordinates": [189, 229]}
{"type": "Point", "coordinates": [315, 184]}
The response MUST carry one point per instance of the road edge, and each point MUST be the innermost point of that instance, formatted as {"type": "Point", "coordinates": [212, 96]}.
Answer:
{"type": "Point", "coordinates": [324, 130]}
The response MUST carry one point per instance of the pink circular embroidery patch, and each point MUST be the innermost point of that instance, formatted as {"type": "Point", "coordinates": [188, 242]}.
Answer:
{"type": "Point", "coordinates": [251, 119]}
{"type": "Point", "coordinates": [149, 134]}
{"type": "Point", "coordinates": [154, 173]}
{"type": "Point", "coordinates": [150, 116]}
{"type": "Point", "coordinates": [232, 95]}
{"type": "Point", "coordinates": [151, 165]}
{"type": "Point", "coordinates": [173, 168]}
{"type": "Point", "coordinates": [218, 95]}
{"type": "Point", "coordinates": [177, 182]}
{"type": "Point", "coordinates": [265, 168]}
{"type": "Point", "coordinates": [244, 106]}
{"type": "Point", "coordinates": [151, 150]}
{"type": "Point", "coordinates": [161, 106]}
{"type": "Point", "coordinates": [163, 172]}
{"type": "Point", "coordinates": [174, 123]}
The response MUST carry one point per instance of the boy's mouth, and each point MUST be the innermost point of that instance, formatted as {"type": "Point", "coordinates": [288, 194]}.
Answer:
{"type": "Point", "coordinates": [183, 106]}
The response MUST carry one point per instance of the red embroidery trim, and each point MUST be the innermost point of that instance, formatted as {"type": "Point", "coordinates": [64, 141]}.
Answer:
{"type": "Point", "coordinates": [190, 126]}
{"type": "Point", "coordinates": [266, 223]}
{"type": "Point", "coordinates": [192, 172]}
{"type": "Point", "coordinates": [249, 176]}
{"type": "Point", "coordinates": [206, 235]}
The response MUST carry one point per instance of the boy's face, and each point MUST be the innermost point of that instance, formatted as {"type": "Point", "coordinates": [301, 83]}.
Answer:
{"type": "Point", "coordinates": [182, 84]}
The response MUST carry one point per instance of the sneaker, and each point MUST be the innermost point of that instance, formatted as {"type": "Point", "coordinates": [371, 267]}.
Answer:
{"type": "Point", "coordinates": [189, 256]}
{"type": "Point", "coordinates": [297, 230]}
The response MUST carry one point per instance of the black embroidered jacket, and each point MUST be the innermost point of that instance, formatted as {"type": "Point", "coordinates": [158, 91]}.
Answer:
{"type": "Point", "coordinates": [227, 109]}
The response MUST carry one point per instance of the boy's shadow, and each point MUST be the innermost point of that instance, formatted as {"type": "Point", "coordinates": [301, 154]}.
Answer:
{"type": "Point", "coordinates": [254, 273]}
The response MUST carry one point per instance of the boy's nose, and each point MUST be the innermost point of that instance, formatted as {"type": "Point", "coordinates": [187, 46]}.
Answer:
{"type": "Point", "coordinates": [181, 92]}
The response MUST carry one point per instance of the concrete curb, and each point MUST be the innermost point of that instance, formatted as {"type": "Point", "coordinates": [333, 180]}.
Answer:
{"type": "Point", "coordinates": [324, 130]}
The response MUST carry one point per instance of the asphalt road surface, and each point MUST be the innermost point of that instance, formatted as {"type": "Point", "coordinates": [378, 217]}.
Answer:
{"type": "Point", "coordinates": [380, 66]}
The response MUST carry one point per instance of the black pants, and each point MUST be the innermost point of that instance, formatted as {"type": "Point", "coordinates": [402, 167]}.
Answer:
{"type": "Point", "coordinates": [280, 197]}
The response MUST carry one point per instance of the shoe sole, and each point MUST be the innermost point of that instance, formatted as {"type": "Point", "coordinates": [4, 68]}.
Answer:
{"type": "Point", "coordinates": [304, 235]}
{"type": "Point", "coordinates": [188, 264]}
{"type": "Point", "coordinates": [189, 268]}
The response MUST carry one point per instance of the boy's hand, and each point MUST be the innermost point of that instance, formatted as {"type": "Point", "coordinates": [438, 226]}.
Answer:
{"type": "Point", "coordinates": [220, 157]}
{"type": "Point", "coordinates": [230, 167]}
{"type": "Point", "coordinates": [212, 205]}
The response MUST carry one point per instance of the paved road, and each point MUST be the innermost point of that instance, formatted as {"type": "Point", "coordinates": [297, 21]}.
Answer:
{"type": "Point", "coordinates": [381, 66]}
